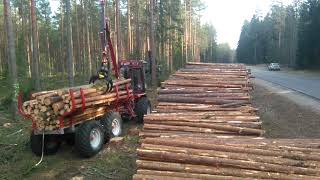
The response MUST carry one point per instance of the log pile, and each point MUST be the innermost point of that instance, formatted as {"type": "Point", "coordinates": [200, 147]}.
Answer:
{"type": "Point", "coordinates": [207, 99]}
{"type": "Point", "coordinates": [47, 107]}
{"type": "Point", "coordinates": [221, 158]}
{"type": "Point", "coordinates": [204, 127]}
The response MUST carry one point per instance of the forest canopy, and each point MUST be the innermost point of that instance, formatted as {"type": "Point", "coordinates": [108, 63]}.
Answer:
{"type": "Point", "coordinates": [44, 48]}
{"type": "Point", "coordinates": [287, 34]}
{"type": "Point", "coordinates": [179, 35]}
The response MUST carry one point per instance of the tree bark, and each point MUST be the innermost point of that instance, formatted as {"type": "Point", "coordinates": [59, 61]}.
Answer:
{"type": "Point", "coordinates": [62, 40]}
{"type": "Point", "coordinates": [78, 59]}
{"type": "Point", "coordinates": [129, 39]}
{"type": "Point", "coordinates": [35, 42]}
{"type": "Point", "coordinates": [214, 161]}
{"type": "Point", "coordinates": [86, 7]}
{"type": "Point", "coordinates": [11, 56]}
{"type": "Point", "coordinates": [152, 46]}
{"type": "Point", "coordinates": [137, 23]}
{"type": "Point", "coordinates": [69, 45]}
{"type": "Point", "coordinates": [198, 169]}
{"type": "Point", "coordinates": [118, 32]}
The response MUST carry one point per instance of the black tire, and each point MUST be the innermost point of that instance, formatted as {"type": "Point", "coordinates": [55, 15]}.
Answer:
{"type": "Point", "coordinates": [109, 121]}
{"type": "Point", "coordinates": [143, 106]}
{"type": "Point", "coordinates": [51, 144]}
{"type": "Point", "coordinates": [69, 139]}
{"type": "Point", "coordinates": [85, 135]}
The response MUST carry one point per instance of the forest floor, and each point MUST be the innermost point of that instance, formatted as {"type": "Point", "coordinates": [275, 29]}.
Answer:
{"type": "Point", "coordinates": [281, 117]}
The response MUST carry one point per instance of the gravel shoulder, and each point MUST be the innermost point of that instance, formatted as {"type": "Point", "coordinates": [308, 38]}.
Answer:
{"type": "Point", "coordinates": [286, 113]}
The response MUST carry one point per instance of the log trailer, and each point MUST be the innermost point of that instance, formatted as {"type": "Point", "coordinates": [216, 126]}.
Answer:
{"type": "Point", "coordinates": [90, 132]}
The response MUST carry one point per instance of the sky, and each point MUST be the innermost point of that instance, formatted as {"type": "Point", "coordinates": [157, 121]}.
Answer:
{"type": "Point", "coordinates": [227, 16]}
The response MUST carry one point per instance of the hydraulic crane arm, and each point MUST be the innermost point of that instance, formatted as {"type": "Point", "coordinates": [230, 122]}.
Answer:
{"type": "Point", "coordinates": [106, 46]}
{"type": "Point", "coordinates": [106, 42]}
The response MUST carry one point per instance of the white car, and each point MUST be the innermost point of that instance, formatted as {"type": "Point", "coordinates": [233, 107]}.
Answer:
{"type": "Point", "coordinates": [274, 67]}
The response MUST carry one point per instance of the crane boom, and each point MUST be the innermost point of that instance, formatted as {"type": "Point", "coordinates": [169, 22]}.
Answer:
{"type": "Point", "coordinates": [106, 43]}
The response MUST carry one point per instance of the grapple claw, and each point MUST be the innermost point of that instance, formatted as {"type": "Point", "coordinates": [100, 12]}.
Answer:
{"type": "Point", "coordinates": [109, 83]}
{"type": "Point", "coordinates": [103, 75]}
{"type": "Point", "coordinates": [93, 79]}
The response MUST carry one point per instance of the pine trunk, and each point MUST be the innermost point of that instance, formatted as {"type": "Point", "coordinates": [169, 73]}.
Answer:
{"type": "Point", "coordinates": [69, 44]}
{"type": "Point", "coordinates": [86, 8]}
{"type": "Point", "coordinates": [129, 41]}
{"type": "Point", "coordinates": [35, 55]}
{"type": "Point", "coordinates": [152, 46]}
{"type": "Point", "coordinates": [11, 55]}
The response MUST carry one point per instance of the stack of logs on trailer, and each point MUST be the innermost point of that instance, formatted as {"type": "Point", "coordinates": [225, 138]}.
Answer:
{"type": "Point", "coordinates": [76, 104]}
{"type": "Point", "coordinates": [204, 127]}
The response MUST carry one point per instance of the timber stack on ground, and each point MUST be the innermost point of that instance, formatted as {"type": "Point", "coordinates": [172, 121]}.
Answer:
{"type": "Point", "coordinates": [204, 127]}
{"type": "Point", "coordinates": [61, 108]}
{"type": "Point", "coordinates": [205, 99]}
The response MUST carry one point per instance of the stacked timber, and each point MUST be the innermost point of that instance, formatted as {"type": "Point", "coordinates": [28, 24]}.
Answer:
{"type": "Point", "coordinates": [204, 127]}
{"type": "Point", "coordinates": [228, 158]}
{"type": "Point", "coordinates": [46, 108]}
{"type": "Point", "coordinates": [208, 99]}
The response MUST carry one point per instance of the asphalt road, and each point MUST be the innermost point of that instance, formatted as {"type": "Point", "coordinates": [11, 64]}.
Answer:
{"type": "Point", "coordinates": [306, 84]}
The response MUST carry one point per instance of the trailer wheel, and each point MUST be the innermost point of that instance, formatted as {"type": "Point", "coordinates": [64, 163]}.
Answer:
{"type": "Point", "coordinates": [112, 123]}
{"type": "Point", "coordinates": [51, 144]}
{"type": "Point", "coordinates": [142, 108]}
{"type": "Point", "coordinates": [89, 138]}
{"type": "Point", "coordinates": [69, 139]}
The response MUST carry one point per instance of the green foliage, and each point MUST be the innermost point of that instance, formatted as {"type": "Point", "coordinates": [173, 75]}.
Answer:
{"type": "Point", "coordinates": [163, 71]}
{"type": "Point", "coordinates": [287, 35]}
{"type": "Point", "coordinates": [208, 43]}
{"type": "Point", "coordinates": [308, 32]}
{"type": "Point", "coordinates": [224, 53]}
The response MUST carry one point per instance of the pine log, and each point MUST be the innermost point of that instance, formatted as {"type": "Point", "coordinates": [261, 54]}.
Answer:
{"type": "Point", "coordinates": [204, 117]}
{"type": "Point", "coordinates": [170, 174]}
{"type": "Point", "coordinates": [214, 161]}
{"type": "Point", "coordinates": [34, 95]}
{"type": "Point", "coordinates": [236, 156]}
{"type": "Point", "coordinates": [225, 171]}
{"type": "Point", "coordinates": [50, 100]}
{"type": "Point", "coordinates": [190, 90]}
{"type": "Point", "coordinates": [42, 97]}
{"type": "Point", "coordinates": [184, 129]}
{"type": "Point", "coordinates": [212, 101]}
{"type": "Point", "coordinates": [201, 145]}
{"type": "Point", "coordinates": [153, 177]}
{"type": "Point", "coordinates": [100, 97]}
{"type": "Point", "coordinates": [238, 130]}
{"type": "Point", "coordinates": [57, 106]}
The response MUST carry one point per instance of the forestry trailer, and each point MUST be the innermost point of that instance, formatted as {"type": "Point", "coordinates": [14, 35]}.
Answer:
{"type": "Point", "coordinates": [84, 116]}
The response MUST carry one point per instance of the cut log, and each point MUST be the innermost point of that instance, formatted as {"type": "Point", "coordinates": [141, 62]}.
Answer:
{"type": "Point", "coordinates": [237, 130]}
{"type": "Point", "coordinates": [213, 170]}
{"type": "Point", "coordinates": [170, 174]}
{"type": "Point", "coordinates": [213, 161]}
{"type": "Point", "coordinates": [199, 145]}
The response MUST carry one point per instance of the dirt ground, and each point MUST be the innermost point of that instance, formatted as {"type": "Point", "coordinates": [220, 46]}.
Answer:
{"type": "Point", "coordinates": [284, 118]}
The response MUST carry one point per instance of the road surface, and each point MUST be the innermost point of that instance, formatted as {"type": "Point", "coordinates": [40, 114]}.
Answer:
{"type": "Point", "coordinates": [306, 84]}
